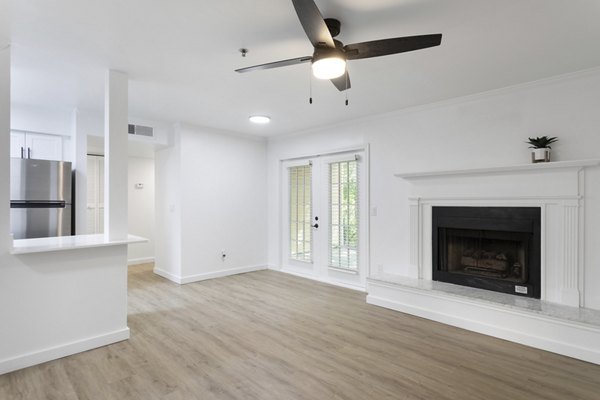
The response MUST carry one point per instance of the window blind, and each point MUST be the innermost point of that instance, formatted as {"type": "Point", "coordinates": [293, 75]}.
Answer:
{"type": "Point", "coordinates": [343, 215]}
{"type": "Point", "coordinates": [300, 190]}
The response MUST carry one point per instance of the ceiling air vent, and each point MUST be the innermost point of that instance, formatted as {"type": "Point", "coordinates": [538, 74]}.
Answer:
{"type": "Point", "coordinates": [141, 130]}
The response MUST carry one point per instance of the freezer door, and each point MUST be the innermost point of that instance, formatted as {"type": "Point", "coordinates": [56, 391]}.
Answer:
{"type": "Point", "coordinates": [40, 180]}
{"type": "Point", "coordinates": [36, 222]}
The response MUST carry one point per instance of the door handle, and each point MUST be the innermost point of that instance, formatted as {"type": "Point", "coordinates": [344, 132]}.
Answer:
{"type": "Point", "coordinates": [29, 152]}
{"type": "Point", "coordinates": [22, 152]}
{"type": "Point", "coordinates": [315, 226]}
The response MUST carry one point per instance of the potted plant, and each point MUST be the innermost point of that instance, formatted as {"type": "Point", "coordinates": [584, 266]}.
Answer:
{"type": "Point", "coordinates": [541, 148]}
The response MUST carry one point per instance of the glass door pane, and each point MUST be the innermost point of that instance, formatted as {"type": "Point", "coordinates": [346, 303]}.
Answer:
{"type": "Point", "coordinates": [301, 244]}
{"type": "Point", "coordinates": [343, 215]}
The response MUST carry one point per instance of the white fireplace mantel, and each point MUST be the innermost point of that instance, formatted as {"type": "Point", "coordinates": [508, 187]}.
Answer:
{"type": "Point", "coordinates": [556, 188]}
{"type": "Point", "coordinates": [500, 169]}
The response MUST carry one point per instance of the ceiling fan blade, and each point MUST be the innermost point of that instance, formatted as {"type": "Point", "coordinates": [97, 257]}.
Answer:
{"type": "Point", "coordinates": [384, 47]}
{"type": "Point", "coordinates": [276, 64]}
{"type": "Point", "coordinates": [342, 82]}
{"type": "Point", "coordinates": [313, 23]}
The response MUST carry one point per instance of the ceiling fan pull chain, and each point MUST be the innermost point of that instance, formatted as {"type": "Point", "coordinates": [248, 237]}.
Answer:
{"type": "Point", "coordinates": [310, 86]}
{"type": "Point", "coordinates": [346, 91]}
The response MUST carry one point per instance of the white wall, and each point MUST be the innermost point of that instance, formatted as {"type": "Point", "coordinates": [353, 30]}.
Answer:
{"type": "Point", "coordinates": [221, 181]}
{"type": "Point", "coordinates": [477, 131]}
{"type": "Point", "coordinates": [56, 121]}
{"type": "Point", "coordinates": [141, 208]}
{"type": "Point", "coordinates": [168, 209]}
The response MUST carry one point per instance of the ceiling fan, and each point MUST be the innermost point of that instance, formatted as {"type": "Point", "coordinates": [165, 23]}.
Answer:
{"type": "Point", "coordinates": [330, 55]}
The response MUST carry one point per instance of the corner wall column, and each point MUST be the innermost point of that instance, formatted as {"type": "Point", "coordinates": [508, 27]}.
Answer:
{"type": "Point", "coordinates": [115, 155]}
{"type": "Point", "coordinates": [5, 242]}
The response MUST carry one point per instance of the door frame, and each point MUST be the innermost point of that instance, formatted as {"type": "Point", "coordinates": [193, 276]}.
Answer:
{"type": "Point", "coordinates": [367, 232]}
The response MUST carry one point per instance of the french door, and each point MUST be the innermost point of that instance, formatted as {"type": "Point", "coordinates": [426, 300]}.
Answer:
{"type": "Point", "coordinates": [324, 218]}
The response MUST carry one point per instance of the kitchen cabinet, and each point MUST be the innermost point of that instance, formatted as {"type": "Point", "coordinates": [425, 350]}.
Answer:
{"type": "Point", "coordinates": [39, 146]}
{"type": "Point", "coordinates": [17, 144]}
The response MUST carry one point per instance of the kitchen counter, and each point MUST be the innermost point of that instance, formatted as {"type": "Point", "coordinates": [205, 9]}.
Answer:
{"type": "Point", "coordinates": [61, 243]}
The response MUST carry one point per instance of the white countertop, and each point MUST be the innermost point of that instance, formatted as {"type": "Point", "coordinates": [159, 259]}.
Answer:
{"type": "Point", "coordinates": [41, 245]}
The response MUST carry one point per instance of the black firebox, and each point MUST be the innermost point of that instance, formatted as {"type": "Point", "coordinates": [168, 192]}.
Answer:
{"type": "Point", "coordinates": [494, 248]}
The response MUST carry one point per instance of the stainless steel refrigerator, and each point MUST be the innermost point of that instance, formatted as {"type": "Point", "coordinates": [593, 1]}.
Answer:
{"type": "Point", "coordinates": [40, 198]}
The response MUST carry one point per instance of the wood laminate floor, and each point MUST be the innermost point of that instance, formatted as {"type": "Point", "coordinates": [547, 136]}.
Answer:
{"type": "Point", "coordinates": [266, 335]}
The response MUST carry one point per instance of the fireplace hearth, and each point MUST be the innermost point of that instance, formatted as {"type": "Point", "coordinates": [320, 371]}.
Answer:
{"type": "Point", "coordinates": [494, 248]}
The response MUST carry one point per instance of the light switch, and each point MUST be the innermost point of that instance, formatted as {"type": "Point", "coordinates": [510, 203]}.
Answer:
{"type": "Point", "coordinates": [139, 185]}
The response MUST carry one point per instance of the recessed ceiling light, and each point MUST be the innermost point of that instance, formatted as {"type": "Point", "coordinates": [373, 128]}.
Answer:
{"type": "Point", "coordinates": [260, 119]}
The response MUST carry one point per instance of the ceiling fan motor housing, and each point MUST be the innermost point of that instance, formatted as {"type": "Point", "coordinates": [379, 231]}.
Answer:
{"type": "Point", "coordinates": [334, 26]}
{"type": "Point", "coordinates": [326, 52]}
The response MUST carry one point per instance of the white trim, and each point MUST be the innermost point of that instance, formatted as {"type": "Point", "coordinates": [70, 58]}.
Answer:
{"type": "Point", "coordinates": [326, 153]}
{"type": "Point", "coordinates": [322, 279]}
{"type": "Point", "coordinates": [137, 261]}
{"type": "Point", "coordinates": [496, 199]}
{"type": "Point", "coordinates": [56, 352]}
{"type": "Point", "coordinates": [343, 270]}
{"type": "Point", "coordinates": [167, 275]}
{"type": "Point", "coordinates": [222, 273]}
{"type": "Point", "coordinates": [501, 169]}
{"type": "Point", "coordinates": [311, 262]}
{"type": "Point", "coordinates": [367, 188]}
{"type": "Point", "coordinates": [182, 280]}
{"type": "Point", "coordinates": [569, 338]}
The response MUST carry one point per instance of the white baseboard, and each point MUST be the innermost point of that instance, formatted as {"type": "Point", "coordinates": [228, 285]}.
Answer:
{"type": "Point", "coordinates": [167, 275]}
{"type": "Point", "coordinates": [137, 261]}
{"type": "Point", "coordinates": [208, 275]}
{"type": "Point", "coordinates": [222, 273]}
{"type": "Point", "coordinates": [321, 279]}
{"type": "Point", "coordinates": [53, 353]}
{"type": "Point", "coordinates": [569, 338]}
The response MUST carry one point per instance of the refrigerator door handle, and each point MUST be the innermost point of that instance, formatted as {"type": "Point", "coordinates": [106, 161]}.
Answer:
{"type": "Point", "coordinates": [37, 204]}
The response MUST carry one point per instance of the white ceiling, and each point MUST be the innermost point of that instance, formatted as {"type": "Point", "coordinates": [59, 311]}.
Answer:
{"type": "Point", "coordinates": [180, 55]}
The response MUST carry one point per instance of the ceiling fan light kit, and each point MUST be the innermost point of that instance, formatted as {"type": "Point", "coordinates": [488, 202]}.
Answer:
{"type": "Point", "coordinates": [330, 56]}
{"type": "Point", "coordinates": [329, 64]}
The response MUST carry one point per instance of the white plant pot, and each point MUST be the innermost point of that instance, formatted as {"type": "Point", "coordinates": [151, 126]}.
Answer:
{"type": "Point", "coordinates": [540, 155]}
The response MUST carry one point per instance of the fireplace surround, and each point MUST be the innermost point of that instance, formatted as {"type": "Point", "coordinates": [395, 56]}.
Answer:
{"type": "Point", "coordinates": [493, 248]}
{"type": "Point", "coordinates": [559, 320]}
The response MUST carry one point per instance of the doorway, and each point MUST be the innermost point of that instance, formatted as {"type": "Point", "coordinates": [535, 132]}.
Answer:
{"type": "Point", "coordinates": [324, 218]}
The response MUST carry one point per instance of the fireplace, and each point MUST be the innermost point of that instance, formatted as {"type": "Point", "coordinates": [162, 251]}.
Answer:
{"type": "Point", "coordinates": [493, 248]}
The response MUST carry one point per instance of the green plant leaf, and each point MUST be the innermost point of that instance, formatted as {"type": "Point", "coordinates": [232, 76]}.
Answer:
{"type": "Point", "coordinates": [541, 142]}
